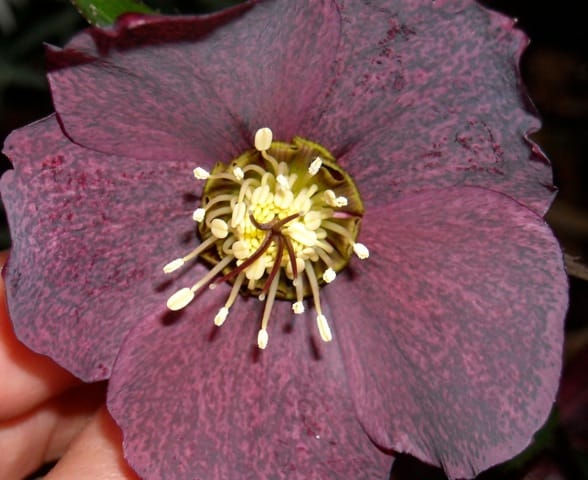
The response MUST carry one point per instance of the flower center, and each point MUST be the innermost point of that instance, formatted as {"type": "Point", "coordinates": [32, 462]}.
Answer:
{"type": "Point", "coordinates": [277, 222]}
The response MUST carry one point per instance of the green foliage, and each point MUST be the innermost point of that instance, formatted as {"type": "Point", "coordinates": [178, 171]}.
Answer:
{"type": "Point", "coordinates": [105, 12]}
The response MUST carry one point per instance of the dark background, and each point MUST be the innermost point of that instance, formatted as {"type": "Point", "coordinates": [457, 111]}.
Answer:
{"type": "Point", "coordinates": [555, 71]}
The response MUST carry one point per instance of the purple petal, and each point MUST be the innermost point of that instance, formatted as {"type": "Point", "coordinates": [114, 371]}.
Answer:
{"type": "Point", "coordinates": [429, 95]}
{"type": "Point", "coordinates": [451, 331]}
{"type": "Point", "coordinates": [198, 96]}
{"type": "Point", "coordinates": [88, 247]}
{"type": "Point", "coordinates": [196, 401]}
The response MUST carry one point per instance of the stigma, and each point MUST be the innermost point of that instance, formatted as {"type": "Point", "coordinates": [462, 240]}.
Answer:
{"type": "Point", "coordinates": [278, 222]}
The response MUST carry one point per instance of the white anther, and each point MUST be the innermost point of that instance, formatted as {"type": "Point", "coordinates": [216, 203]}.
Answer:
{"type": "Point", "coordinates": [260, 195]}
{"type": "Point", "coordinates": [238, 173]}
{"type": "Point", "coordinates": [200, 173]}
{"type": "Point", "coordinates": [315, 166]}
{"type": "Point", "coordinates": [173, 265]}
{"type": "Point", "coordinates": [302, 203]}
{"type": "Point", "coordinates": [221, 316]}
{"type": "Point", "coordinates": [198, 215]}
{"type": "Point", "coordinates": [329, 197]}
{"type": "Point", "coordinates": [180, 299]}
{"type": "Point", "coordinates": [219, 228]}
{"type": "Point", "coordinates": [299, 267]}
{"type": "Point", "coordinates": [283, 198]}
{"type": "Point", "coordinates": [312, 220]}
{"type": "Point", "coordinates": [361, 250]}
{"type": "Point", "coordinates": [238, 216]}
{"type": "Point", "coordinates": [240, 249]}
{"type": "Point", "coordinates": [333, 200]}
{"type": "Point", "coordinates": [282, 181]}
{"type": "Point", "coordinates": [298, 232]}
{"type": "Point", "coordinates": [263, 139]}
{"type": "Point", "coordinates": [256, 270]}
{"type": "Point", "coordinates": [309, 254]}
{"type": "Point", "coordinates": [329, 275]}
{"type": "Point", "coordinates": [298, 308]}
{"type": "Point", "coordinates": [323, 326]}
{"type": "Point", "coordinates": [262, 338]}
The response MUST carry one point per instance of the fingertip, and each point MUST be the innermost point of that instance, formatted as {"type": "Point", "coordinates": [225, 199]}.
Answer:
{"type": "Point", "coordinates": [28, 378]}
{"type": "Point", "coordinates": [95, 453]}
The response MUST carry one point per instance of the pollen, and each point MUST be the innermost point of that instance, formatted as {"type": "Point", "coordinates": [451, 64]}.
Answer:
{"type": "Point", "coordinates": [278, 223]}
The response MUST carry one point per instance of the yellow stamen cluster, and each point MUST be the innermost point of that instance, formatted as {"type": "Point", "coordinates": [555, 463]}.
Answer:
{"type": "Point", "coordinates": [270, 224]}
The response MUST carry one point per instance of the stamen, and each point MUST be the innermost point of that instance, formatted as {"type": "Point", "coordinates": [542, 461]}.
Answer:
{"type": "Point", "coordinates": [173, 265]}
{"type": "Point", "coordinates": [334, 201]}
{"type": "Point", "coordinates": [298, 308]}
{"type": "Point", "coordinates": [198, 215]}
{"type": "Point", "coordinates": [219, 228]}
{"type": "Point", "coordinates": [282, 181]}
{"type": "Point", "coordinates": [312, 220]}
{"type": "Point", "coordinates": [323, 328]}
{"type": "Point", "coordinates": [238, 216]}
{"type": "Point", "coordinates": [200, 173]}
{"type": "Point", "coordinates": [212, 273]}
{"type": "Point", "coordinates": [263, 139]}
{"type": "Point", "coordinates": [217, 212]}
{"type": "Point", "coordinates": [180, 299]}
{"type": "Point", "coordinates": [337, 228]}
{"type": "Point", "coordinates": [221, 316]}
{"type": "Point", "coordinates": [200, 248]}
{"type": "Point", "coordinates": [241, 249]}
{"type": "Point", "coordinates": [315, 166]}
{"type": "Point", "coordinates": [262, 336]}
{"type": "Point", "coordinates": [361, 251]}
{"type": "Point", "coordinates": [238, 173]}
{"type": "Point", "coordinates": [254, 168]}
{"type": "Point", "coordinates": [314, 287]}
{"type": "Point", "coordinates": [329, 275]}
{"type": "Point", "coordinates": [179, 262]}
{"type": "Point", "coordinates": [298, 232]}
{"type": "Point", "coordinates": [235, 290]}
{"type": "Point", "coordinates": [299, 293]}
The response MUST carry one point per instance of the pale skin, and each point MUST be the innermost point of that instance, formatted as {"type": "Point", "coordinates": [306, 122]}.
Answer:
{"type": "Point", "coordinates": [47, 414]}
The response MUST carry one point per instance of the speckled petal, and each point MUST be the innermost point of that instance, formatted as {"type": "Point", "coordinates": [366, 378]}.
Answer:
{"type": "Point", "coordinates": [90, 234]}
{"type": "Point", "coordinates": [161, 88]}
{"type": "Point", "coordinates": [451, 331]}
{"type": "Point", "coordinates": [428, 94]}
{"type": "Point", "coordinates": [198, 401]}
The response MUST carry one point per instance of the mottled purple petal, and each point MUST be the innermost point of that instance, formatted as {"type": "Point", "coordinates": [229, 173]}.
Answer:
{"type": "Point", "coordinates": [90, 235]}
{"type": "Point", "coordinates": [428, 93]}
{"type": "Point", "coordinates": [200, 99]}
{"type": "Point", "coordinates": [451, 331]}
{"type": "Point", "coordinates": [196, 401]}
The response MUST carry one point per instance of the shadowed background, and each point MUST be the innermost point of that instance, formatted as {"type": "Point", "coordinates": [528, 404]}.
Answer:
{"type": "Point", "coordinates": [555, 71]}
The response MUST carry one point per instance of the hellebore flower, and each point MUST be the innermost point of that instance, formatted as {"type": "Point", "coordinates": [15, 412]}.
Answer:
{"type": "Point", "coordinates": [396, 126]}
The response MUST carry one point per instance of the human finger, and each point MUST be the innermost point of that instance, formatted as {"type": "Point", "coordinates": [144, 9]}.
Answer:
{"type": "Point", "coordinates": [95, 453]}
{"type": "Point", "coordinates": [44, 433]}
{"type": "Point", "coordinates": [28, 378]}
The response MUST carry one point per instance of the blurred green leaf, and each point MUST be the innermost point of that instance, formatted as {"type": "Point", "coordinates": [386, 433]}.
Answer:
{"type": "Point", "coordinates": [104, 12]}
